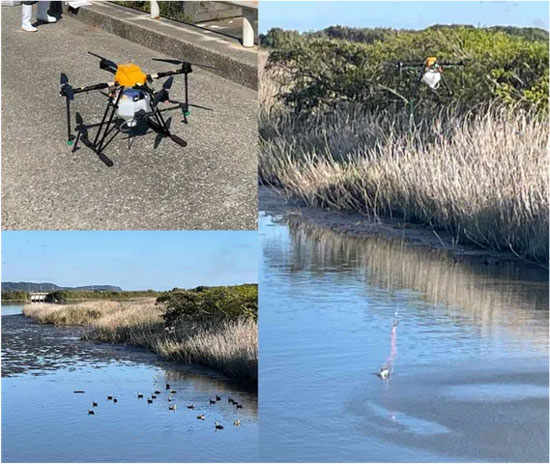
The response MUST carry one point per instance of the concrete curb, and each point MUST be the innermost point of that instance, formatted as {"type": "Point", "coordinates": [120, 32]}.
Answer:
{"type": "Point", "coordinates": [175, 39]}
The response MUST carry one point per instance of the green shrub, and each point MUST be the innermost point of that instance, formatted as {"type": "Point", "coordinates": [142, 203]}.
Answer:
{"type": "Point", "coordinates": [212, 305]}
{"type": "Point", "coordinates": [323, 72]}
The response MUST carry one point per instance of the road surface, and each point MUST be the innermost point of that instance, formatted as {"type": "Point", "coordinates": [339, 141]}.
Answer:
{"type": "Point", "coordinates": [211, 184]}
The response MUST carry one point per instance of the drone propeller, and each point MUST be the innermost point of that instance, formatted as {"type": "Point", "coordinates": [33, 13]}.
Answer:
{"type": "Point", "coordinates": [66, 88]}
{"type": "Point", "coordinates": [105, 64]}
{"type": "Point", "coordinates": [176, 62]}
{"type": "Point", "coordinates": [168, 83]}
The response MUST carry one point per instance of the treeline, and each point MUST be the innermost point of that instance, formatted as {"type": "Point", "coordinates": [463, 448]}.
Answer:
{"type": "Point", "coordinates": [66, 296]}
{"type": "Point", "coordinates": [15, 296]}
{"type": "Point", "coordinates": [324, 69]}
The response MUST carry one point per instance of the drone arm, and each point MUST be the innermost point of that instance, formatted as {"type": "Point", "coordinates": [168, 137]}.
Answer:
{"type": "Point", "coordinates": [185, 70]}
{"type": "Point", "coordinates": [89, 88]}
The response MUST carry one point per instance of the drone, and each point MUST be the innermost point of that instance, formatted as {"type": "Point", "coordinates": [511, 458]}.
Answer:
{"type": "Point", "coordinates": [431, 72]}
{"type": "Point", "coordinates": [133, 105]}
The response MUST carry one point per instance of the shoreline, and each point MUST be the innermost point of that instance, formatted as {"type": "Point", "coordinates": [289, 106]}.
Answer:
{"type": "Point", "coordinates": [146, 333]}
{"type": "Point", "coordinates": [272, 201]}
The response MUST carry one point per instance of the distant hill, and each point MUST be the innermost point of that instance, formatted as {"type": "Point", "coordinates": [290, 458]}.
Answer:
{"type": "Point", "coordinates": [49, 287]}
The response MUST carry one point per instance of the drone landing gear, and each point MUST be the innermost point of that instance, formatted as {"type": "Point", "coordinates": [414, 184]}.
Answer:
{"type": "Point", "coordinates": [159, 125]}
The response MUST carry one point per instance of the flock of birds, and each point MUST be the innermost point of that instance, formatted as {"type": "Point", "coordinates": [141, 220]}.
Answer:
{"type": "Point", "coordinates": [172, 406]}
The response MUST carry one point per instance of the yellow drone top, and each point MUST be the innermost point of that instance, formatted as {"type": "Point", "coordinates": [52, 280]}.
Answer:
{"type": "Point", "coordinates": [430, 61]}
{"type": "Point", "coordinates": [129, 75]}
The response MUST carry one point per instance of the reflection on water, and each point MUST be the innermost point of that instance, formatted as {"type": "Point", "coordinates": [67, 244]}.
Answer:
{"type": "Point", "coordinates": [43, 365]}
{"type": "Point", "coordinates": [470, 377]}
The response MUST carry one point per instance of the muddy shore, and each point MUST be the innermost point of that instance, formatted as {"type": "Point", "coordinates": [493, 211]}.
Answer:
{"type": "Point", "coordinates": [274, 202]}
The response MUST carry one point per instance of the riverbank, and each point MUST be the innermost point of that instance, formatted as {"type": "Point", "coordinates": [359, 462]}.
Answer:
{"type": "Point", "coordinates": [229, 346]}
{"type": "Point", "coordinates": [278, 203]}
{"type": "Point", "coordinates": [476, 172]}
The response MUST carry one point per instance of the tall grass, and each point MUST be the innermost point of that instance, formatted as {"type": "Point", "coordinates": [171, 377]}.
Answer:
{"type": "Point", "coordinates": [229, 347]}
{"type": "Point", "coordinates": [481, 176]}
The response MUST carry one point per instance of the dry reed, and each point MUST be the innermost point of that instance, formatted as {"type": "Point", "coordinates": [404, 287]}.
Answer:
{"type": "Point", "coordinates": [481, 176]}
{"type": "Point", "coordinates": [230, 347]}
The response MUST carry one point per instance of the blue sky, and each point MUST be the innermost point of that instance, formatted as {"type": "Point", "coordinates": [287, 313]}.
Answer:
{"type": "Point", "coordinates": [315, 15]}
{"type": "Point", "coordinates": [136, 260]}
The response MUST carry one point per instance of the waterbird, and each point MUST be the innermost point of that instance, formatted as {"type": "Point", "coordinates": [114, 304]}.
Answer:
{"type": "Point", "coordinates": [173, 391]}
{"type": "Point", "coordinates": [157, 392]}
{"type": "Point", "coordinates": [170, 399]}
{"type": "Point", "coordinates": [218, 398]}
{"type": "Point", "coordinates": [79, 391]}
{"type": "Point", "coordinates": [237, 423]}
{"type": "Point", "coordinates": [154, 397]}
{"type": "Point", "coordinates": [239, 406]}
{"type": "Point", "coordinates": [94, 404]}
{"type": "Point", "coordinates": [212, 401]}
{"type": "Point", "coordinates": [172, 407]}
{"type": "Point", "coordinates": [167, 386]}
{"type": "Point", "coordinates": [201, 417]}
{"type": "Point", "coordinates": [230, 400]}
{"type": "Point", "coordinates": [218, 426]}
{"type": "Point", "coordinates": [109, 397]}
{"type": "Point", "coordinates": [140, 395]}
{"type": "Point", "coordinates": [115, 400]}
{"type": "Point", "coordinates": [384, 373]}
{"type": "Point", "coordinates": [191, 406]}
{"type": "Point", "coordinates": [149, 400]}
{"type": "Point", "coordinates": [90, 411]}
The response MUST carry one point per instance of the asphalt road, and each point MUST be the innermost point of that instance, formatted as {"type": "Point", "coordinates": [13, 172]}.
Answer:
{"type": "Point", "coordinates": [210, 184]}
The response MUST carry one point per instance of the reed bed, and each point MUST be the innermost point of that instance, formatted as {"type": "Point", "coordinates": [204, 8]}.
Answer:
{"type": "Point", "coordinates": [229, 347]}
{"type": "Point", "coordinates": [481, 175]}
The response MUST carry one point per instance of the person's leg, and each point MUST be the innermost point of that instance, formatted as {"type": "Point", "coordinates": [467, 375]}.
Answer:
{"type": "Point", "coordinates": [56, 9]}
{"type": "Point", "coordinates": [42, 13]}
{"type": "Point", "coordinates": [26, 16]}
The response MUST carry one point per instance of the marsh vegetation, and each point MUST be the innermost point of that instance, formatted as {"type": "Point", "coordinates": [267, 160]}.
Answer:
{"type": "Point", "coordinates": [341, 129]}
{"type": "Point", "coordinates": [213, 327]}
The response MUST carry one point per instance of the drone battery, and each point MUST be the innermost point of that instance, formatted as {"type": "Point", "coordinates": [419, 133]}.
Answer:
{"type": "Point", "coordinates": [131, 102]}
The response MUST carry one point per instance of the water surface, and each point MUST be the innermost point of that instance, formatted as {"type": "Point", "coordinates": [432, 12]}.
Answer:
{"type": "Point", "coordinates": [469, 359]}
{"type": "Point", "coordinates": [43, 420]}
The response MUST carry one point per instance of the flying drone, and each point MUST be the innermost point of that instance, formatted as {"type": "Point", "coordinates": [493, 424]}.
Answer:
{"type": "Point", "coordinates": [430, 72]}
{"type": "Point", "coordinates": [133, 104]}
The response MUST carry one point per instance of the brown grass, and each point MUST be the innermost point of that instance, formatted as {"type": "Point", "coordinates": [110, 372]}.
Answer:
{"type": "Point", "coordinates": [230, 347]}
{"type": "Point", "coordinates": [481, 176]}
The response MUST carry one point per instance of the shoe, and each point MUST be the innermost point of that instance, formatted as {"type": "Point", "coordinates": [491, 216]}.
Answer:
{"type": "Point", "coordinates": [42, 13]}
{"type": "Point", "coordinates": [26, 15]}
